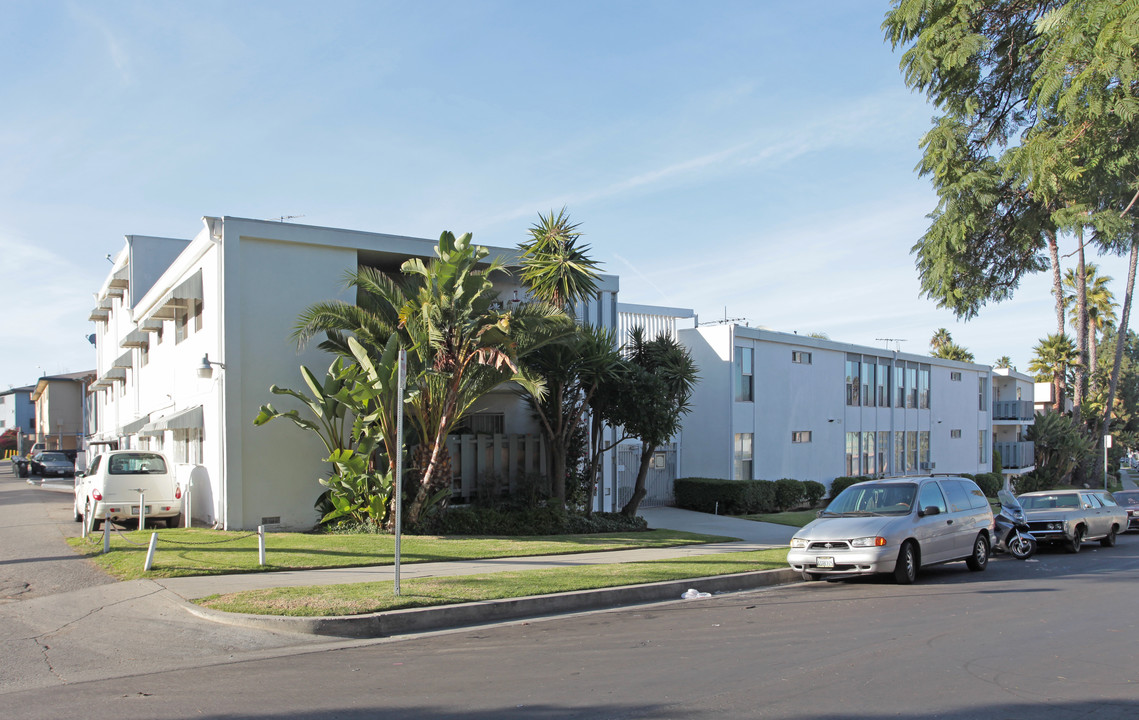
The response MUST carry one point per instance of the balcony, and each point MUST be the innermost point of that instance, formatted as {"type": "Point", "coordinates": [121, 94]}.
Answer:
{"type": "Point", "coordinates": [1015, 455]}
{"type": "Point", "coordinates": [1015, 410]}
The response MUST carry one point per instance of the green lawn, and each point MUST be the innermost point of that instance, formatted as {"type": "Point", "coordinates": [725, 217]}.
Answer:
{"type": "Point", "coordinates": [359, 598]}
{"type": "Point", "coordinates": [200, 551]}
{"type": "Point", "coordinates": [794, 519]}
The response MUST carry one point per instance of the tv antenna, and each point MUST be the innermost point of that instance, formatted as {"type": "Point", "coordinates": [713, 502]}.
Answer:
{"type": "Point", "coordinates": [283, 218]}
{"type": "Point", "coordinates": [725, 321]}
{"type": "Point", "coordinates": [897, 347]}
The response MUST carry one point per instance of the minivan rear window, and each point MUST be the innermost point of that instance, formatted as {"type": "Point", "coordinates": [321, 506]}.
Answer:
{"type": "Point", "coordinates": [137, 464]}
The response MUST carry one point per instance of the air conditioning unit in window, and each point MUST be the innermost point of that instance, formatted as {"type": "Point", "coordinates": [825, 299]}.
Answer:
{"type": "Point", "coordinates": [928, 465]}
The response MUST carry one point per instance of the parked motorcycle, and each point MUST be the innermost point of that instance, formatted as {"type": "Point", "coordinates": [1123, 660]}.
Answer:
{"type": "Point", "coordinates": [1012, 532]}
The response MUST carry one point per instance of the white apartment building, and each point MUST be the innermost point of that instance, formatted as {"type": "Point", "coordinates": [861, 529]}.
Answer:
{"type": "Point", "coordinates": [774, 405]}
{"type": "Point", "coordinates": [232, 295]}
{"type": "Point", "coordinates": [1013, 414]}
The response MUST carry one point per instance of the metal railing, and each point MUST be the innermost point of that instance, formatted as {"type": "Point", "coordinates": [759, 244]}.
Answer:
{"type": "Point", "coordinates": [1013, 410]}
{"type": "Point", "coordinates": [1016, 454]}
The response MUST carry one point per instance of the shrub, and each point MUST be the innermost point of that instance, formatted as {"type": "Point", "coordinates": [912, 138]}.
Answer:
{"type": "Point", "coordinates": [990, 483]}
{"type": "Point", "coordinates": [1033, 481]}
{"type": "Point", "coordinates": [843, 482]}
{"type": "Point", "coordinates": [789, 494]}
{"type": "Point", "coordinates": [473, 520]}
{"type": "Point", "coordinates": [728, 497]}
{"type": "Point", "coordinates": [814, 492]}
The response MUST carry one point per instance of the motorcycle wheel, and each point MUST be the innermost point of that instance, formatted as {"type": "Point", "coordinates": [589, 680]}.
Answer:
{"type": "Point", "coordinates": [1021, 548]}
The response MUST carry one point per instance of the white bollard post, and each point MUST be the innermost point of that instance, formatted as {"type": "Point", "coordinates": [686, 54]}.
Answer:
{"type": "Point", "coordinates": [187, 506]}
{"type": "Point", "coordinates": [261, 545]}
{"type": "Point", "coordinates": [150, 552]}
{"type": "Point", "coordinates": [141, 510]}
{"type": "Point", "coordinates": [106, 534]}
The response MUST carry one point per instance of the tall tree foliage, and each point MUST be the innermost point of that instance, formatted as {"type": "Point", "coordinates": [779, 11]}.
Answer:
{"type": "Point", "coordinates": [650, 398]}
{"type": "Point", "coordinates": [943, 347]}
{"type": "Point", "coordinates": [555, 268]}
{"type": "Point", "coordinates": [461, 343]}
{"type": "Point", "coordinates": [1053, 359]}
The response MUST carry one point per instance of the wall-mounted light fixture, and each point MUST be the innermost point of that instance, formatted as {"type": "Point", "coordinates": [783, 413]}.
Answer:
{"type": "Point", "coordinates": [206, 370]}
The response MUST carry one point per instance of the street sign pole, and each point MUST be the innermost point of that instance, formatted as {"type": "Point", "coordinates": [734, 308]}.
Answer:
{"type": "Point", "coordinates": [397, 491]}
{"type": "Point", "coordinates": [1106, 446]}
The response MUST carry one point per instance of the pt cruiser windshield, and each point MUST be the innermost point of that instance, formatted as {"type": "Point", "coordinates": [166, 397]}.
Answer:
{"type": "Point", "coordinates": [878, 499]}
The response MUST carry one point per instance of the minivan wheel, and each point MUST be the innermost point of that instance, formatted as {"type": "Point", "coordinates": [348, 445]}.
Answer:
{"type": "Point", "coordinates": [979, 560]}
{"type": "Point", "coordinates": [1109, 541]}
{"type": "Point", "coordinates": [906, 570]}
{"type": "Point", "coordinates": [1076, 541]}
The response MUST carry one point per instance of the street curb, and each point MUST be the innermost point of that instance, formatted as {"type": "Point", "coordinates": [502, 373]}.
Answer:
{"type": "Point", "coordinates": [399, 622]}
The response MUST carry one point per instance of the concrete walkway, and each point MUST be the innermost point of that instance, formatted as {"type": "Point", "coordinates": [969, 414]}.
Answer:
{"type": "Point", "coordinates": [751, 536]}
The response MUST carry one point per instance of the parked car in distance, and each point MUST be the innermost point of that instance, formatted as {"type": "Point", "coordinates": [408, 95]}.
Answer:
{"type": "Point", "coordinates": [1129, 501]}
{"type": "Point", "coordinates": [1068, 517]}
{"type": "Point", "coordinates": [51, 464]}
{"type": "Point", "coordinates": [110, 487]}
{"type": "Point", "coordinates": [896, 525]}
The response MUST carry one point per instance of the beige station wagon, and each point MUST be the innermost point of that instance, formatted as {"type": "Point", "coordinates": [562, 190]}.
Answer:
{"type": "Point", "coordinates": [1071, 516]}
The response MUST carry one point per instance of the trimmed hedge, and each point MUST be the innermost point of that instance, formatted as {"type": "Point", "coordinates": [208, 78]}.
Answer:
{"type": "Point", "coordinates": [814, 492]}
{"type": "Point", "coordinates": [844, 481]}
{"type": "Point", "coordinates": [789, 494]}
{"type": "Point", "coordinates": [990, 483]}
{"type": "Point", "coordinates": [532, 521]}
{"type": "Point", "coordinates": [728, 497]}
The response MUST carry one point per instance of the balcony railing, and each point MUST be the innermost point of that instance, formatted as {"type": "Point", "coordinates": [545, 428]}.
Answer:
{"type": "Point", "coordinates": [1013, 410]}
{"type": "Point", "coordinates": [1016, 454]}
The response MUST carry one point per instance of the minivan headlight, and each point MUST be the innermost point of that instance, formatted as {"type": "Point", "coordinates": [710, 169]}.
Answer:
{"type": "Point", "coordinates": [798, 542]}
{"type": "Point", "coordinates": [877, 541]}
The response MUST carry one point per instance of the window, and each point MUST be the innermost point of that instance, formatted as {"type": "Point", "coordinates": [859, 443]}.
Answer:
{"type": "Point", "coordinates": [483, 423]}
{"type": "Point", "coordinates": [801, 436]}
{"type": "Point", "coordinates": [911, 450]}
{"type": "Point", "coordinates": [869, 454]}
{"type": "Point", "coordinates": [188, 446]}
{"type": "Point", "coordinates": [955, 434]}
{"type": "Point", "coordinates": [3, 423]}
{"type": "Point", "coordinates": [181, 324]}
{"type": "Point", "coordinates": [743, 456]}
{"type": "Point", "coordinates": [923, 449]}
{"type": "Point", "coordinates": [911, 386]}
{"type": "Point", "coordinates": [982, 399]}
{"type": "Point", "coordinates": [900, 386]}
{"type": "Point", "coordinates": [852, 381]}
{"type": "Point", "coordinates": [745, 378]}
{"type": "Point", "coordinates": [982, 456]}
{"type": "Point", "coordinates": [955, 376]}
{"type": "Point", "coordinates": [197, 315]}
{"type": "Point", "coordinates": [868, 373]}
{"type": "Point", "coordinates": [883, 384]}
{"type": "Point", "coordinates": [899, 452]}
{"type": "Point", "coordinates": [923, 387]}
{"type": "Point", "coordinates": [930, 496]}
{"type": "Point", "coordinates": [852, 442]}
{"type": "Point", "coordinates": [801, 357]}
{"type": "Point", "coordinates": [883, 451]}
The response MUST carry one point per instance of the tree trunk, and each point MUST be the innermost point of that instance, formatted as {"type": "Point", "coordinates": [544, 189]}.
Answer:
{"type": "Point", "coordinates": [1081, 329]}
{"type": "Point", "coordinates": [1057, 284]}
{"type": "Point", "coordinates": [1121, 336]}
{"type": "Point", "coordinates": [639, 491]}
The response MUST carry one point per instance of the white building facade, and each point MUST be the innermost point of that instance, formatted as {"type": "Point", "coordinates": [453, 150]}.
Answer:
{"type": "Point", "coordinates": [776, 405]}
{"type": "Point", "coordinates": [1013, 414]}
{"type": "Point", "coordinates": [233, 294]}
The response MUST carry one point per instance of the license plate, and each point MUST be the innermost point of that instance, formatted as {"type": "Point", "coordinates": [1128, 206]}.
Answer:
{"type": "Point", "coordinates": [824, 562]}
{"type": "Point", "coordinates": [134, 509]}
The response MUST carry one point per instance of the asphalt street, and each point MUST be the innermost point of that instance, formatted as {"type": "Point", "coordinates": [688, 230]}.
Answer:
{"type": "Point", "coordinates": [1054, 637]}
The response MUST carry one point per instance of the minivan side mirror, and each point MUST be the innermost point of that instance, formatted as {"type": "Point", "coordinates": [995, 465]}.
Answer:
{"type": "Point", "coordinates": [931, 510]}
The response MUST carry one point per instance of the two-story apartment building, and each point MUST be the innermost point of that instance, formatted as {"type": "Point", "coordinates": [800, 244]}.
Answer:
{"type": "Point", "coordinates": [18, 412]}
{"type": "Point", "coordinates": [190, 335]}
{"type": "Point", "coordinates": [1013, 414]}
{"type": "Point", "coordinates": [61, 410]}
{"type": "Point", "coordinates": [774, 405]}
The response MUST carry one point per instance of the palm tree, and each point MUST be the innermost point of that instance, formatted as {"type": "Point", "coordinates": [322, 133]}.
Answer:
{"type": "Point", "coordinates": [460, 343]}
{"type": "Point", "coordinates": [1100, 309]}
{"type": "Point", "coordinates": [1004, 362]}
{"type": "Point", "coordinates": [1055, 355]}
{"type": "Point", "coordinates": [940, 339]}
{"type": "Point", "coordinates": [553, 267]}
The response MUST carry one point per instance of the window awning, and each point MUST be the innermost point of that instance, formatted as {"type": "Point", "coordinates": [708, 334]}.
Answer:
{"type": "Point", "coordinates": [150, 326]}
{"type": "Point", "coordinates": [99, 314]}
{"type": "Point", "coordinates": [135, 338]}
{"type": "Point", "coordinates": [115, 373]}
{"type": "Point", "coordinates": [181, 420]}
{"type": "Point", "coordinates": [123, 361]}
{"type": "Point", "coordinates": [181, 296]}
{"type": "Point", "coordinates": [134, 426]}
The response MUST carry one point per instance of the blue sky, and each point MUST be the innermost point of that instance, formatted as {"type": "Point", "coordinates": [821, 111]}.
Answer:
{"type": "Point", "coordinates": [748, 158]}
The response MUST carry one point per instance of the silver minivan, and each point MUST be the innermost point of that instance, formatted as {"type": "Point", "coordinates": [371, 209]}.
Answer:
{"type": "Point", "coordinates": [897, 526]}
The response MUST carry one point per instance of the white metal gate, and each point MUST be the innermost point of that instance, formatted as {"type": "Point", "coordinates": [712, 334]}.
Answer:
{"type": "Point", "coordinates": [658, 481]}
